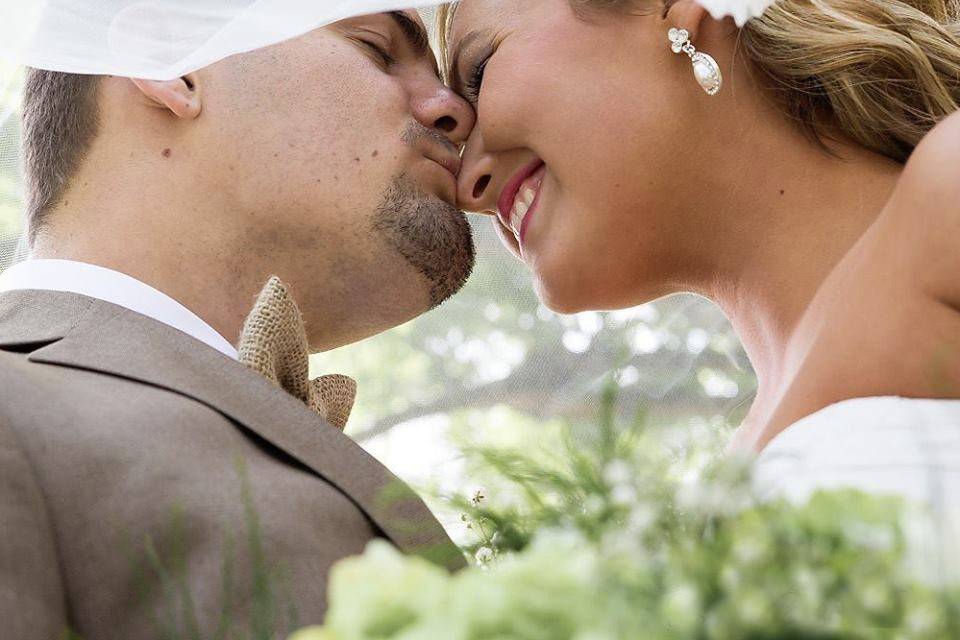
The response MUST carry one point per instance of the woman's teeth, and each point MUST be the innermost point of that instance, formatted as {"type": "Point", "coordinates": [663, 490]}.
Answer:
{"type": "Point", "coordinates": [521, 205]}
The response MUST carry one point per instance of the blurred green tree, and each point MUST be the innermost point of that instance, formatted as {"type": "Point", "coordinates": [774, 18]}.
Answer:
{"type": "Point", "coordinates": [495, 344]}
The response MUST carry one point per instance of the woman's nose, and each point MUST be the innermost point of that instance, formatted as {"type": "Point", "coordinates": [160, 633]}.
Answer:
{"type": "Point", "coordinates": [475, 189]}
{"type": "Point", "coordinates": [440, 108]}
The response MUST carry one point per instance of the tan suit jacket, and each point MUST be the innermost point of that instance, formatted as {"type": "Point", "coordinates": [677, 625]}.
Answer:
{"type": "Point", "coordinates": [110, 421]}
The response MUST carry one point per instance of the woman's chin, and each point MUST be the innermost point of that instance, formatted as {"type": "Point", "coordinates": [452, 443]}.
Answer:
{"type": "Point", "coordinates": [562, 300]}
{"type": "Point", "coordinates": [562, 283]}
{"type": "Point", "coordinates": [567, 297]}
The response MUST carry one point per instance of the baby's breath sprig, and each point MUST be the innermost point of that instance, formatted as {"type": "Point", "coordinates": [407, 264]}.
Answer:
{"type": "Point", "coordinates": [487, 551]}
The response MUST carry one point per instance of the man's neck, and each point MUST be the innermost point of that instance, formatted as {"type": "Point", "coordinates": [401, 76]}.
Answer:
{"type": "Point", "coordinates": [209, 285]}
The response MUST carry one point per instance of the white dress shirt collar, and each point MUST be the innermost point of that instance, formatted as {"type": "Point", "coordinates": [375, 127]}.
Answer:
{"type": "Point", "coordinates": [114, 287]}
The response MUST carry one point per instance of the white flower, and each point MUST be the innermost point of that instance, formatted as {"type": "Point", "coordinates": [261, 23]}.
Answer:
{"type": "Point", "coordinates": [640, 519]}
{"type": "Point", "coordinates": [753, 609]}
{"type": "Point", "coordinates": [681, 608]}
{"type": "Point", "coordinates": [618, 472]}
{"type": "Point", "coordinates": [484, 556]}
{"type": "Point", "coordinates": [739, 10]}
{"type": "Point", "coordinates": [623, 495]}
{"type": "Point", "coordinates": [593, 505]}
{"type": "Point", "coordinates": [876, 597]}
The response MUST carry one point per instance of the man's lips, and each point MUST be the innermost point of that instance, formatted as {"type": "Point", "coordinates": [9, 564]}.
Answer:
{"type": "Point", "coordinates": [445, 156]}
{"type": "Point", "coordinates": [450, 163]}
{"type": "Point", "coordinates": [512, 188]}
{"type": "Point", "coordinates": [449, 160]}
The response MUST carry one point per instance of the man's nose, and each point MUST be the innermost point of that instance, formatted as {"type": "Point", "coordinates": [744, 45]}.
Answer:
{"type": "Point", "coordinates": [436, 106]}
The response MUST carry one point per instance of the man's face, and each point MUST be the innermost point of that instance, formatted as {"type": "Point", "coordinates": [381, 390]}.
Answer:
{"type": "Point", "coordinates": [337, 153]}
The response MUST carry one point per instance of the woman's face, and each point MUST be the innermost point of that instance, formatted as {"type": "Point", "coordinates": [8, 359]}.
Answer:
{"type": "Point", "coordinates": [585, 146]}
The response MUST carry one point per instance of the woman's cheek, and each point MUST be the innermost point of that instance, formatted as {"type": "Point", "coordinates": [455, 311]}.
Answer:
{"type": "Point", "coordinates": [496, 112]}
{"type": "Point", "coordinates": [517, 94]}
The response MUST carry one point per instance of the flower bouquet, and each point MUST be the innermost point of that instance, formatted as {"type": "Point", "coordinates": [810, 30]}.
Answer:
{"type": "Point", "coordinates": [630, 536]}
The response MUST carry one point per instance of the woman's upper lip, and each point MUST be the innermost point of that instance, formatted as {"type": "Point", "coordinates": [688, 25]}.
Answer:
{"type": "Point", "coordinates": [509, 193]}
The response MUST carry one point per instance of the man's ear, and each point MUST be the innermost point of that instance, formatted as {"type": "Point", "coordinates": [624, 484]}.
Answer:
{"type": "Point", "coordinates": [686, 14]}
{"type": "Point", "coordinates": [180, 96]}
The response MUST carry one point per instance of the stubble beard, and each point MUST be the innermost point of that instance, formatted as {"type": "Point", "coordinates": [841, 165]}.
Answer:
{"type": "Point", "coordinates": [433, 237]}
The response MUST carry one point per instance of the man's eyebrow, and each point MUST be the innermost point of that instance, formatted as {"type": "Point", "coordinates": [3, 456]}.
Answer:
{"type": "Point", "coordinates": [415, 33]}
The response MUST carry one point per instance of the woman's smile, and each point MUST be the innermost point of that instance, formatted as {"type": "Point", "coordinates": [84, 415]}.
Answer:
{"type": "Point", "coordinates": [571, 142]}
{"type": "Point", "coordinates": [519, 199]}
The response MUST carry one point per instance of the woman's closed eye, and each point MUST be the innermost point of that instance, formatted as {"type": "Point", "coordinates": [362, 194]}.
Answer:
{"type": "Point", "coordinates": [473, 78]}
{"type": "Point", "coordinates": [474, 81]}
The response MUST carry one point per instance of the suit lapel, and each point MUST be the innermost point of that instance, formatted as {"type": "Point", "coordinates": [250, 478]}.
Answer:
{"type": "Point", "coordinates": [76, 331]}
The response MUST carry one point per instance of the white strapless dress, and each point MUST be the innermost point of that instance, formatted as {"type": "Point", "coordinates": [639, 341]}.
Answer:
{"type": "Point", "coordinates": [888, 445]}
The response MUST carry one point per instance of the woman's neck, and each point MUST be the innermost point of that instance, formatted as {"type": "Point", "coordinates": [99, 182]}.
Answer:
{"type": "Point", "coordinates": [797, 225]}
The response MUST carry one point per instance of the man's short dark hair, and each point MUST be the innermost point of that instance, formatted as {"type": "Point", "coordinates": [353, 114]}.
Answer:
{"type": "Point", "coordinates": [60, 120]}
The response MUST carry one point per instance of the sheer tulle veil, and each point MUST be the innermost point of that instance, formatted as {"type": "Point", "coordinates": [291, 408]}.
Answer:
{"type": "Point", "coordinates": [151, 39]}
{"type": "Point", "coordinates": [493, 345]}
{"type": "Point", "coordinates": [160, 40]}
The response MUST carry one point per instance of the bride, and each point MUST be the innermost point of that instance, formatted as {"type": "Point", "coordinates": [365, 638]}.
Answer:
{"type": "Point", "coordinates": [632, 149]}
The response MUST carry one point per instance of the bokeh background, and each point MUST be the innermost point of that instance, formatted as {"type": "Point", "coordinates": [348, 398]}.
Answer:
{"type": "Point", "coordinates": [495, 367]}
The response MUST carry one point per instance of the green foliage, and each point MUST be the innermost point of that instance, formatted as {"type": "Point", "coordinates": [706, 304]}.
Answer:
{"type": "Point", "coordinates": [268, 612]}
{"type": "Point", "coordinates": [628, 534]}
{"type": "Point", "coordinates": [493, 366]}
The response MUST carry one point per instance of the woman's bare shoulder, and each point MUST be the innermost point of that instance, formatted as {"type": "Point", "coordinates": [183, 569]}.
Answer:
{"type": "Point", "coordinates": [931, 179]}
{"type": "Point", "coordinates": [887, 320]}
{"type": "Point", "coordinates": [923, 215]}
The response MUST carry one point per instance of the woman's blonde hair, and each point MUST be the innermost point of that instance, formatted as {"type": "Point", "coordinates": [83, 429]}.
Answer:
{"type": "Point", "coordinates": [880, 73]}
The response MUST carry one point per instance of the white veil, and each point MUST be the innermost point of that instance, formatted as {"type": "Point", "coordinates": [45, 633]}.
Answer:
{"type": "Point", "coordinates": [152, 39]}
{"type": "Point", "coordinates": [160, 39]}
{"type": "Point", "coordinates": [491, 360]}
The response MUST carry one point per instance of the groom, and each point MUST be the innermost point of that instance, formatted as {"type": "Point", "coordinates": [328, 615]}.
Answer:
{"type": "Point", "coordinates": [157, 212]}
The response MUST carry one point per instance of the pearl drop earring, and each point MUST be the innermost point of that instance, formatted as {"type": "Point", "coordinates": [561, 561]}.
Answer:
{"type": "Point", "coordinates": [705, 68]}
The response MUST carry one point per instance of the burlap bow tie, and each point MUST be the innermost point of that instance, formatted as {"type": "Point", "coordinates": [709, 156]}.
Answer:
{"type": "Point", "coordinates": [274, 343]}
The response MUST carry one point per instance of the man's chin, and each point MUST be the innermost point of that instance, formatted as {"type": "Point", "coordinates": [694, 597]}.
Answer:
{"type": "Point", "coordinates": [446, 191]}
{"type": "Point", "coordinates": [432, 235]}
